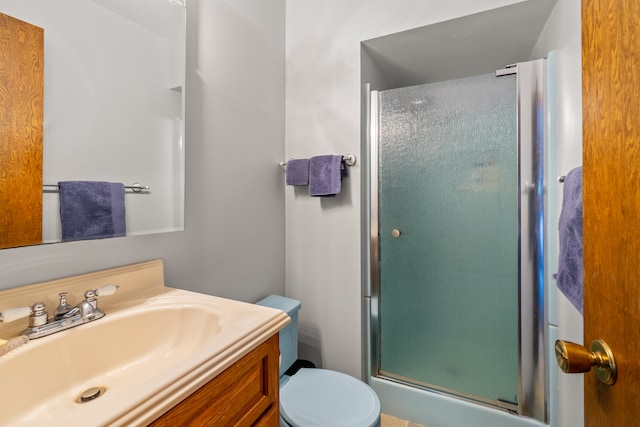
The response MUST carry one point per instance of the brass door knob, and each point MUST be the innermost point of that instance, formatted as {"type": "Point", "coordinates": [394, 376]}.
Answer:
{"type": "Point", "coordinates": [574, 358]}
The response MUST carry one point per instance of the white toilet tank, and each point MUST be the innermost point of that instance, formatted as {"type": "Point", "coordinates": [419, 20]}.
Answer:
{"type": "Point", "coordinates": [288, 335]}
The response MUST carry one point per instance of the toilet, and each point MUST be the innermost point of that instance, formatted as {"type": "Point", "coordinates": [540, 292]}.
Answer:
{"type": "Point", "coordinates": [314, 397]}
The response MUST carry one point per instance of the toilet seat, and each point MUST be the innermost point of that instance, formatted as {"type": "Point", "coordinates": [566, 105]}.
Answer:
{"type": "Point", "coordinates": [322, 398]}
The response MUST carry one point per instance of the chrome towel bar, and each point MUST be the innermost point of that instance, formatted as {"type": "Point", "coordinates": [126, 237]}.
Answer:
{"type": "Point", "coordinates": [136, 187]}
{"type": "Point", "coordinates": [349, 160]}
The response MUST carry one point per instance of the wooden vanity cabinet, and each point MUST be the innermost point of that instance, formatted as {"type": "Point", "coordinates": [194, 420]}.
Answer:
{"type": "Point", "coordinates": [245, 394]}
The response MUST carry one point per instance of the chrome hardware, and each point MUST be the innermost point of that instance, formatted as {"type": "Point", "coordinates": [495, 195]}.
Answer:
{"type": "Point", "coordinates": [573, 358]}
{"type": "Point", "coordinates": [65, 316]}
{"type": "Point", "coordinates": [395, 233]}
{"type": "Point", "coordinates": [38, 314]}
{"type": "Point", "coordinates": [90, 297]}
{"type": "Point", "coordinates": [349, 159]}
{"type": "Point", "coordinates": [136, 187]}
{"type": "Point", "coordinates": [90, 394]}
{"type": "Point", "coordinates": [63, 307]}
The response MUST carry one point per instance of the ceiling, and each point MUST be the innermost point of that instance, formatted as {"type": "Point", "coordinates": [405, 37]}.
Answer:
{"type": "Point", "coordinates": [474, 44]}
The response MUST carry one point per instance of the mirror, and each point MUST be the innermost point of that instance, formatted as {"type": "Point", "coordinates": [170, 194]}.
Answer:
{"type": "Point", "coordinates": [113, 103]}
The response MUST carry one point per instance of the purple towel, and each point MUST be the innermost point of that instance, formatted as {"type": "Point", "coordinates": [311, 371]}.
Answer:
{"type": "Point", "coordinates": [325, 175]}
{"type": "Point", "coordinates": [297, 171]}
{"type": "Point", "coordinates": [91, 210]}
{"type": "Point", "coordinates": [570, 270]}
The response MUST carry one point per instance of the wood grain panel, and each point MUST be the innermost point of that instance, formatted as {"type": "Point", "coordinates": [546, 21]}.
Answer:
{"type": "Point", "coordinates": [246, 394]}
{"type": "Point", "coordinates": [611, 189]}
{"type": "Point", "coordinates": [21, 132]}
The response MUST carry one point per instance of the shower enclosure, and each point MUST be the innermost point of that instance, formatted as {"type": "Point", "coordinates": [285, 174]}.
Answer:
{"type": "Point", "coordinates": [455, 294]}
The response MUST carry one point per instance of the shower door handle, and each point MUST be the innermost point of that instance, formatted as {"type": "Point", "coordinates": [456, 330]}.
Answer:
{"type": "Point", "coordinates": [574, 358]}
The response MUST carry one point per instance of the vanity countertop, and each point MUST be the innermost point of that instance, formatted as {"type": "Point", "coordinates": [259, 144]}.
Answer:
{"type": "Point", "coordinates": [155, 346]}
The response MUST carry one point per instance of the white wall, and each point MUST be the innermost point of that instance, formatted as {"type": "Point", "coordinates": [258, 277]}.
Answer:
{"type": "Point", "coordinates": [323, 116]}
{"type": "Point", "coordinates": [233, 243]}
{"type": "Point", "coordinates": [234, 239]}
{"type": "Point", "coordinates": [563, 34]}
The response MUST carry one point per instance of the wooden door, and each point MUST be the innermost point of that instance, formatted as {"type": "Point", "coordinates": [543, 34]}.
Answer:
{"type": "Point", "coordinates": [21, 132]}
{"type": "Point", "coordinates": [611, 190]}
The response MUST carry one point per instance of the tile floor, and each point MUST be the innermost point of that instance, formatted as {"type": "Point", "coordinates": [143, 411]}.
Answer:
{"type": "Point", "coordinates": [389, 421]}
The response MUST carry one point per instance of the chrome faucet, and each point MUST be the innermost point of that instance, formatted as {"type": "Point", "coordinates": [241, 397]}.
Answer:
{"type": "Point", "coordinates": [65, 315]}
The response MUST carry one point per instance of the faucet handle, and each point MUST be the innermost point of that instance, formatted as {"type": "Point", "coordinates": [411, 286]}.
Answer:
{"type": "Point", "coordinates": [37, 314]}
{"type": "Point", "coordinates": [91, 295]}
{"type": "Point", "coordinates": [106, 290]}
{"type": "Point", "coordinates": [11, 314]}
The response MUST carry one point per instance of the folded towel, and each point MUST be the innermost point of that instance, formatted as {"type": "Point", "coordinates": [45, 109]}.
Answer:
{"type": "Point", "coordinates": [91, 210]}
{"type": "Point", "coordinates": [325, 175]}
{"type": "Point", "coordinates": [570, 266]}
{"type": "Point", "coordinates": [297, 171]}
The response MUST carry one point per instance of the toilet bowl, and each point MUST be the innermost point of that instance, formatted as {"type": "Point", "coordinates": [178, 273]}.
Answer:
{"type": "Point", "coordinates": [314, 397]}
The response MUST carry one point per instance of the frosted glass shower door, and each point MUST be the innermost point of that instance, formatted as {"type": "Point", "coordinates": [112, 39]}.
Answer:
{"type": "Point", "coordinates": [448, 237]}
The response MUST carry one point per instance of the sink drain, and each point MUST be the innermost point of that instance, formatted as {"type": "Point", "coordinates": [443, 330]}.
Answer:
{"type": "Point", "coordinates": [90, 394]}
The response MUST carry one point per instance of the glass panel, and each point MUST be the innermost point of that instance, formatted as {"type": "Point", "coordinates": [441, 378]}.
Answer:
{"type": "Point", "coordinates": [449, 282]}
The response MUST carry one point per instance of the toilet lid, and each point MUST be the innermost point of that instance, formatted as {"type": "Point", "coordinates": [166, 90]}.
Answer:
{"type": "Point", "coordinates": [322, 398]}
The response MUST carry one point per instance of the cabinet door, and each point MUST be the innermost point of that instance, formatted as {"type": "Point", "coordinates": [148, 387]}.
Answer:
{"type": "Point", "coordinates": [245, 394]}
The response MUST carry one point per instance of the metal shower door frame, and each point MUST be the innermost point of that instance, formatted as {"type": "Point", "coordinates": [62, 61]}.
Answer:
{"type": "Point", "coordinates": [533, 388]}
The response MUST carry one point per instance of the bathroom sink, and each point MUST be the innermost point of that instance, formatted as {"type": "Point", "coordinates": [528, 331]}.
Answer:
{"type": "Point", "coordinates": [141, 359]}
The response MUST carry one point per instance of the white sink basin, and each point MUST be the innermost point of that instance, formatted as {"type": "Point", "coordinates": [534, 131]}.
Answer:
{"type": "Point", "coordinates": [148, 355]}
